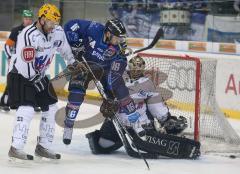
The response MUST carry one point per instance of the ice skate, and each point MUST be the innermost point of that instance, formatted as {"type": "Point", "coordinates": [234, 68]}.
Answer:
{"type": "Point", "coordinates": [37, 109]}
{"type": "Point", "coordinates": [4, 108]}
{"type": "Point", "coordinates": [18, 154]}
{"type": "Point", "coordinates": [67, 135]}
{"type": "Point", "coordinates": [40, 152]}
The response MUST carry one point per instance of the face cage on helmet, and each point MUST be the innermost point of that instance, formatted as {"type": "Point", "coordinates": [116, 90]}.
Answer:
{"type": "Point", "coordinates": [50, 24]}
{"type": "Point", "coordinates": [135, 74]}
{"type": "Point", "coordinates": [120, 39]}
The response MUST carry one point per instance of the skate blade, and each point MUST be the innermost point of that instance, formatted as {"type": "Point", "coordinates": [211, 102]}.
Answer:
{"type": "Point", "coordinates": [16, 162]}
{"type": "Point", "coordinates": [4, 110]}
{"type": "Point", "coordinates": [40, 159]}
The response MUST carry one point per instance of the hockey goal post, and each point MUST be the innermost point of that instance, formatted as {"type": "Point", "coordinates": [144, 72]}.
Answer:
{"type": "Point", "coordinates": [188, 86]}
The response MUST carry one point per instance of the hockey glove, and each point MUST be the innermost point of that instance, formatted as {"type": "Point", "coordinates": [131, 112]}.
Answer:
{"type": "Point", "coordinates": [109, 108]}
{"type": "Point", "coordinates": [124, 49]}
{"type": "Point", "coordinates": [39, 82]}
{"type": "Point", "coordinates": [77, 67]}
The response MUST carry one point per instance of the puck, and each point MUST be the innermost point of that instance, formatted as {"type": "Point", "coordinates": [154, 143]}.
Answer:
{"type": "Point", "coordinates": [232, 156]}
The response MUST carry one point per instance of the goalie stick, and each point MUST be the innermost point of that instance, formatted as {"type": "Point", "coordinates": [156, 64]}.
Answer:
{"type": "Point", "coordinates": [102, 93]}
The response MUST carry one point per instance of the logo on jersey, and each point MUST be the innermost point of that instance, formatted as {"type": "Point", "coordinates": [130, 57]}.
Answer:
{"type": "Point", "coordinates": [142, 93]}
{"type": "Point", "coordinates": [110, 52]}
{"type": "Point", "coordinates": [28, 54]}
{"type": "Point", "coordinates": [98, 55]}
{"type": "Point", "coordinates": [100, 50]}
{"type": "Point", "coordinates": [75, 27]}
{"type": "Point", "coordinates": [41, 62]}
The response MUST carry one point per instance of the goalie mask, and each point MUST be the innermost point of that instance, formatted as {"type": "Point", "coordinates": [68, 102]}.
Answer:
{"type": "Point", "coordinates": [136, 67]}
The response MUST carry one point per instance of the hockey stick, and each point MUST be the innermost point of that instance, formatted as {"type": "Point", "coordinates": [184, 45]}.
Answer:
{"type": "Point", "coordinates": [124, 128]}
{"type": "Point", "coordinates": [66, 72]}
{"type": "Point", "coordinates": [59, 76]}
{"type": "Point", "coordinates": [102, 93]}
{"type": "Point", "coordinates": [157, 36]}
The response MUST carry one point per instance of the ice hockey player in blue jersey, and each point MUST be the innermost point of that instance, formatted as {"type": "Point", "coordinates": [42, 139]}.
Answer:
{"type": "Point", "coordinates": [103, 47]}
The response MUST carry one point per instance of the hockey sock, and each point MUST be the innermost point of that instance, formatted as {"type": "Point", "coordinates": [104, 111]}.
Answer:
{"type": "Point", "coordinates": [47, 127]}
{"type": "Point", "coordinates": [23, 118]}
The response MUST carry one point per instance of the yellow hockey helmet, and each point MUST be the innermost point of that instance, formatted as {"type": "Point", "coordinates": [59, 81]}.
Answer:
{"type": "Point", "coordinates": [51, 12]}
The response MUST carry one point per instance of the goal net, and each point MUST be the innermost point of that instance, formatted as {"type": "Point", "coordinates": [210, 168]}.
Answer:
{"type": "Point", "coordinates": [188, 86]}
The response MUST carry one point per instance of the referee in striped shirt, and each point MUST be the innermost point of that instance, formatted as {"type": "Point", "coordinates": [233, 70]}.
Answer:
{"type": "Point", "coordinates": [10, 48]}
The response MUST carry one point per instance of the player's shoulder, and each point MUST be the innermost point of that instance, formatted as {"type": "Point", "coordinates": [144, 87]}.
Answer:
{"type": "Point", "coordinates": [58, 29]}
{"type": "Point", "coordinates": [29, 29]}
{"type": "Point", "coordinates": [28, 34]}
{"type": "Point", "coordinates": [17, 29]}
{"type": "Point", "coordinates": [76, 24]}
{"type": "Point", "coordinates": [96, 28]}
{"type": "Point", "coordinates": [78, 21]}
{"type": "Point", "coordinates": [96, 25]}
{"type": "Point", "coordinates": [58, 33]}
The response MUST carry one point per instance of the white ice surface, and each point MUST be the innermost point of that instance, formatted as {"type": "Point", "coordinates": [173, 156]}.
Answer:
{"type": "Point", "coordinates": [78, 159]}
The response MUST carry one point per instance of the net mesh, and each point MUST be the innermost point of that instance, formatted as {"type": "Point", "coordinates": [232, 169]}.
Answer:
{"type": "Point", "coordinates": [177, 78]}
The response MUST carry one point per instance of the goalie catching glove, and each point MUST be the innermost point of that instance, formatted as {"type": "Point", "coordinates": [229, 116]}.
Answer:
{"type": "Point", "coordinates": [174, 125]}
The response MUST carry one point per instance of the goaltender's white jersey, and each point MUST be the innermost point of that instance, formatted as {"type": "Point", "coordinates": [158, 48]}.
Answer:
{"type": "Point", "coordinates": [145, 96]}
{"type": "Point", "coordinates": [35, 51]}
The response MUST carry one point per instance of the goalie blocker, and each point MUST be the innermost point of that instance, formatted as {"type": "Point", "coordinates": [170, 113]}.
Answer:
{"type": "Point", "coordinates": [156, 145]}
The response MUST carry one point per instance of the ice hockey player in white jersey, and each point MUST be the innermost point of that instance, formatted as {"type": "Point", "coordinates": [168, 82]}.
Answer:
{"type": "Point", "coordinates": [148, 101]}
{"type": "Point", "coordinates": [29, 85]}
{"type": "Point", "coordinates": [149, 104]}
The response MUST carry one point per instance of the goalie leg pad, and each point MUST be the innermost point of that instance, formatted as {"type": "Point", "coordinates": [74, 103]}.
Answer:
{"type": "Point", "coordinates": [130, 148]}
{"type": "Point", "coordinates": [168, 145]}
{"type": "Point", "coordinates": [108, 131]}
{"type": "Point", "coordinates": [96, 148]}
